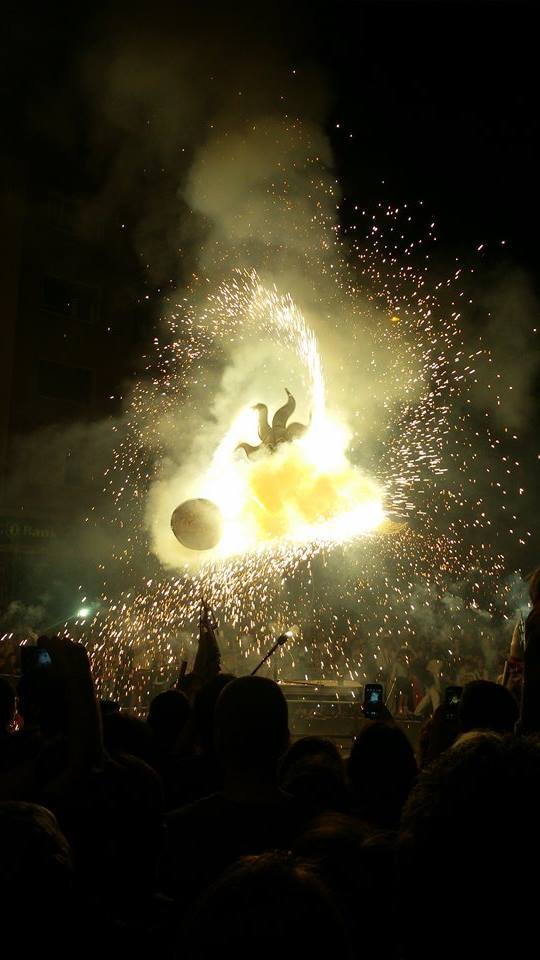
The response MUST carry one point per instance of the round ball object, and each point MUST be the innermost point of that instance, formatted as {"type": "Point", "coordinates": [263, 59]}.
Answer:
{"type": "Point", "coordinates": [197, 524]}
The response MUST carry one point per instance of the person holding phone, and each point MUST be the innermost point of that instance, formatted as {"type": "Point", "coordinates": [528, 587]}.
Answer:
{"type": "Point", "coordinates": [382, 769]}
{"type": "Point", "coordinates": [57, 699]}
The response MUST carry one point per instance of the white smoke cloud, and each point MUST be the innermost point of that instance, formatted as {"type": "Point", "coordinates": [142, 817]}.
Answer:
{"type": "Point", "coordinates": [266, 188]}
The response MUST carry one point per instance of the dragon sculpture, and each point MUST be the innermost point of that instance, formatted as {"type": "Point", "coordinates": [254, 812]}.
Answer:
{"type": "Point", "coordinates": [279, 432]}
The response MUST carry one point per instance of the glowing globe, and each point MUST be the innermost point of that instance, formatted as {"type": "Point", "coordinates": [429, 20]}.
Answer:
{"type": "Point", "coordinates": [197, 524]}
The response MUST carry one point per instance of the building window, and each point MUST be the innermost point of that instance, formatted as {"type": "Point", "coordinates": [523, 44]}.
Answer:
{"type": "Point", "coordinates": [76, 301]}
{"type": "Point", "coordinates": [64, 383]}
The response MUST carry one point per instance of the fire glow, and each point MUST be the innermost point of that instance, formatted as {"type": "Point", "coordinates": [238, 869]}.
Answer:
{"type": "Point", "coordinates": [306, 491]}
{"type": "Point", "coordinates": [298, 487]}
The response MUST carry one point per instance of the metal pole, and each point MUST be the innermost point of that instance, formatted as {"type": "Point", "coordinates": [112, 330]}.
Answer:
{"type": "Point", "coordinates": [279, 642]}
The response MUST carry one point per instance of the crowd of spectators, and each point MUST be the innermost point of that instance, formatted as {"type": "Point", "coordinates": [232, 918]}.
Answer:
{"type": "Point", "coordinates": [203, 832]}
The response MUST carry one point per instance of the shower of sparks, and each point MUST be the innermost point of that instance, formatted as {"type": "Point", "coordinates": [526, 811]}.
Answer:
{"type": "Point", "coordinates": [306, 491]}
{"type": "Point", "coordinates": [346, 593]}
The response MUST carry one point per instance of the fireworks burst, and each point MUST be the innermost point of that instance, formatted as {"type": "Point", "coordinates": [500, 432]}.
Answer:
{"type": "Point", "coordinates": [405, 447]}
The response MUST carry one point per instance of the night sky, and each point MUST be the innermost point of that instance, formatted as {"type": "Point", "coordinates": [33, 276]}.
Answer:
{"type": "Point", "coordinates": [441, 99]}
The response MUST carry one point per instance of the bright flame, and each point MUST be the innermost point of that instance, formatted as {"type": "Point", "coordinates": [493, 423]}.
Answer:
{"type": "Point", "coordinates": [307, 490]}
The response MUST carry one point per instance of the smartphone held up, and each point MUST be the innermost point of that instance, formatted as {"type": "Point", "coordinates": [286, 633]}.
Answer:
{"type": "Point", "coordinates": [452, 699]}
{"type": "Point", "coordinates": [373, 701]}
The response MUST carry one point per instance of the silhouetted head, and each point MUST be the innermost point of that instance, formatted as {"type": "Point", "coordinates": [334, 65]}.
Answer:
{"type": "Point", "coordinates": [123, 733]}
{"type": "Point", "coordinates": [487, 706]}
{"type": "Point", "coordinates": [308, 751]}
{"type": "Point", "coordinates": [168, 715]}
{"type": "Point", "coordinates": [204, 708]}
{"type": "Point", "coordinates": [471, 824]}
{"type": "Point", "coordinates": [333, 843]}
{"type": "Point", "coordinates": [312, 770]}
{"type": "Point", "coordinates": [356, 864]}
{"type": "Point", "coordinates": [382, 769]}
{"type": "Point", "coordinates": [267, 906]}
{"type": "Point", "coordinates": [114, 825]}
{"type": "Point", "coordinates": [251, 723]}
{"type": "Point", "coordinates": [36, 880]}
{"type": "Point", "coordinates": [34, 850]}
{"type": "Point", "coordinates": [7, 705]}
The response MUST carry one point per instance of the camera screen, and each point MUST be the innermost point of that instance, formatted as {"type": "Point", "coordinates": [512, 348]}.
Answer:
{"type": "Point", "coordinates": [373, 697]}
{"type": "Point", "coordinates": [453, 696]}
